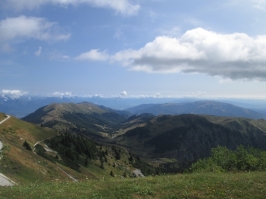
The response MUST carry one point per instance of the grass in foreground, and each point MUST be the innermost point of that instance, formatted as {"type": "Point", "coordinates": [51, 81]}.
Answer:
{"type": "Point", "coordinates": [200, 185]}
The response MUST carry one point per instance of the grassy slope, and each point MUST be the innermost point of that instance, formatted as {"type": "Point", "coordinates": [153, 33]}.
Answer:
{"type": "Point", "coordinates": [202, 185]}
{"type": "Point", "coordinates": [84, 117]}
{"type": "Point", "coordinates": [261, 123]}
{"type": "Point", "coordinates": [17, 162]}
{"type": "Point", "coordinates": [24, 166]}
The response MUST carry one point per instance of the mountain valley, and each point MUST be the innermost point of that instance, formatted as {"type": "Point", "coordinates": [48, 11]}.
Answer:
{"type": "Point", "coordinates": [180, 139]}
{"type": "Point", "coordinates": [121, 141]}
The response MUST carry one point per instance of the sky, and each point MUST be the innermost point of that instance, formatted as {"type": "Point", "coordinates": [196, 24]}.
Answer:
{"type": "Point", "coordinates": [133, 48]}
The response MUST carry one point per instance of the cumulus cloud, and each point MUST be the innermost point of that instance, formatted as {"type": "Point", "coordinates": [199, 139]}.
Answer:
{"type": "Point", "coordinates": [13, 94]}
{"type": "Point", "coordinates": [62, 94]}
{"type": "Point", "coordinates": [121, 6]}
{"type": "Point", "coordinates": [123, 94]}
{"type": "Point", "coordinates": [93, 55]}
{"type": "Point", "coordinates": [23, 27]}
{"type": "Point", "coordinates": [234, 56]}
{"type": "Point", "coordinates": [38, 52]}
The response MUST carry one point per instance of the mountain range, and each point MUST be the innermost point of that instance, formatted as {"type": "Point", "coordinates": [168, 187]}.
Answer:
{"type": "Point", "coordinates": [24, 105]}
{"type": "Point", "coordinates": [187, 138]}
{"type": "Point", "coordinates": [97, 120]}
{"type": "Point", "coordinates": [198, 107]}
{"type": "Point", "coordinates": [78, 137]}
{"type": "Point", "coordinates": [184, 137]}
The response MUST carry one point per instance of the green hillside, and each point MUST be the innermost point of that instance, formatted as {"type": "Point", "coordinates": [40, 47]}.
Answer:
{"type": "Point", "coordinates": [177, 140]}
{"type": "Point", "coordinates": [86, 118]}
{"type": "Point", "coordinates": [187, 138]}
{"type": "Point", "coordinates": [36, 154]}
{"type": "Point", "coordinates": [18, 163]}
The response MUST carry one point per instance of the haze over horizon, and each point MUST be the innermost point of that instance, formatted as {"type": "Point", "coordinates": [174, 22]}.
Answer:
{"type": "Point", "coordinates": [133, 48]}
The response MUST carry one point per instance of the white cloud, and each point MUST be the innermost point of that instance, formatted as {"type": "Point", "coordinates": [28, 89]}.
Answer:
{"type": "Point", "coordinates": [61, 94]}
{"type": "Point", "coordinates": [13, 94]}
{"type": "Point", "coordinates": [260, 4]}
{"type": "Point", "coordinates": [93, 55]}
{"type": "Point", "coordinates": [121, 6]}
{"type": "Point", "coordinates": [123, 94]}
{"type": "Point", "coordinates": [234, 56]}
{"type": "Point", "coordinates": [23, 27]}
{"type": "Point", "coordinates": [38, 52]}
{"type": "Point", "coordinates": [98, 95]}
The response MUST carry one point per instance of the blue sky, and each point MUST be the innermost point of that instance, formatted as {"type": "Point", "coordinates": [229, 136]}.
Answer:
{"type": "Point", "coordinates": [132, 48]}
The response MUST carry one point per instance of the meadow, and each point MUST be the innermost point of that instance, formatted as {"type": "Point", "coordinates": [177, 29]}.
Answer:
{"type": "Point", "coordinates": [196, 185]}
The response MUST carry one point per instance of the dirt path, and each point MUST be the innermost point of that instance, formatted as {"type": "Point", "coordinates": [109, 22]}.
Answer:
{"type": "Point", "coordinates": [8, 116]}
{"type": "Point", "coordinates": [36, 144]}
{"type": "Point", "coordinates": [5, 181]}
{"type": "Point", "coordinates": [71, 177]}
{"type": "Point", "coordinates": [138, 173]}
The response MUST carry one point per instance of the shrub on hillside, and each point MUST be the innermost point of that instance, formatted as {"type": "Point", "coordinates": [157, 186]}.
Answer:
{"type": "Point", "coordinates": [223, 159]}
{"type": "Point", "coordinates": [27, 145]}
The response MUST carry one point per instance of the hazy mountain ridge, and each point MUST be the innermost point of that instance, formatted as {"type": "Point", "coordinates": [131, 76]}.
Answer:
{"type": "Point", "coordinates": [22, 106]}
{"type": "Point", "coordinates": [198, 107]}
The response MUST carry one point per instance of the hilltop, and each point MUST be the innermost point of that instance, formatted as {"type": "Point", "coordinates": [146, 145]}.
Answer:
{"type": "Point", "coordinates": [86, 118]}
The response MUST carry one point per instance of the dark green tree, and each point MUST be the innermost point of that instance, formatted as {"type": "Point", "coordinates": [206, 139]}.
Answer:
{"type": "Point", "coordinates": [27, 146]}
{"type": "Point", "coordinates": [112, 174]}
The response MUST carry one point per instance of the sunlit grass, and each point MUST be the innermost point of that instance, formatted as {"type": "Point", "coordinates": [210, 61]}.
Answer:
{"type": "Point", "coordinates": [204, 185]}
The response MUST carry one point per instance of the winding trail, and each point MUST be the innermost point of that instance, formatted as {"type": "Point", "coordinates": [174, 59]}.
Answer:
{"type": "Point", "coordinates": [71, 177]}
{"type": "Point", "coordinates": [5, 181]}
{"type": "Point", "coordinates": [36, 144]}
{"type": "Point", "coordinates": [8, 116]}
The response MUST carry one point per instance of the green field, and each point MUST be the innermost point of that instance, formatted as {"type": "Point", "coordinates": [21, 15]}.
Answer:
{"type": "Point", "coordinates": [200, 185]}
